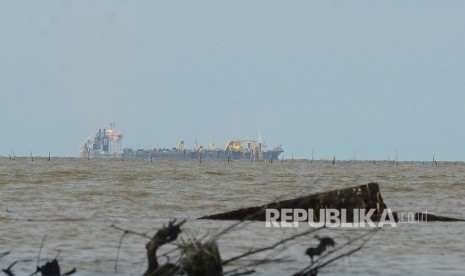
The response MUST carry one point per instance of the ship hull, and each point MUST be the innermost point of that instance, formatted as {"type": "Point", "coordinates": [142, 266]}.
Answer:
{"type": "Point", "coordinates": [204, 154]}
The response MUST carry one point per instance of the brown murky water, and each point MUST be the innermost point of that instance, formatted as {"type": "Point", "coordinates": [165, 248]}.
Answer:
{"type": "Point", "coordinates": [74, 202]}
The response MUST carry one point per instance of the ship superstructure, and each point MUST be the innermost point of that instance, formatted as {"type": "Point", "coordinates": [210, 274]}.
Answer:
{"type": "Point", "coordinates": [107, 142]}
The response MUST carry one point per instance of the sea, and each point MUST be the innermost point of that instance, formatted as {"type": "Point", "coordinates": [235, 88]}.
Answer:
{"type": "Point", "coordinates": [92, 215]}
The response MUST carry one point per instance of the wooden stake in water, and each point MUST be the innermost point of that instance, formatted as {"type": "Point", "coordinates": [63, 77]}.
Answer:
{"type": "Point", "coordinates": [313, 150]}
{"type": "Point", "coordinates": [49, 156]}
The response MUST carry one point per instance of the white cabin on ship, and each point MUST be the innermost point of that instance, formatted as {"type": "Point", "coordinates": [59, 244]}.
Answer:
{"type": "Point", "coordinates": [107, 142]}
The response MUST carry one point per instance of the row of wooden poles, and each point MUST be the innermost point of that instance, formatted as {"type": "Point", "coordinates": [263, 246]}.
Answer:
{"type": "Point", "coordinates": [13, 158]}
{"type": "Point", "coordinates": [270, 160]}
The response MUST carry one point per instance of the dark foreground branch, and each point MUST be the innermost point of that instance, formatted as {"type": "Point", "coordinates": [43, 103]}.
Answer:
{"type": "Point", "coordinates": [326, 259]}
{"type": "Point", "coordinates": [163, 236]}
{"type": "Point", "coordinates": [273, 246]}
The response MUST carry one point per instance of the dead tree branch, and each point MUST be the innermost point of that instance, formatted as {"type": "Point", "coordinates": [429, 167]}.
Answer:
{"type": "Point", "coordinates": [323, 261]}
{"type": "Point", "coordinates": [8, 270]}
{"type": "Point", "coordinates": [273, 246]}
{"type": "Point", "coordinates": [163, 236]}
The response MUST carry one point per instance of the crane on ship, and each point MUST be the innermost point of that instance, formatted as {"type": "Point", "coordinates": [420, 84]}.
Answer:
{"type": "Point", "coordinates": [181, 148]}
{"type": "Point", "coordinates": [238, 145]}
{"type": "Point", "coordinates": [212, 146]}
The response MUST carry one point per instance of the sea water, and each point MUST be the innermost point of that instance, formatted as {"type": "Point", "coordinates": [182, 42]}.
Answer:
{"type": "Point", "coordinates": [70, 205]}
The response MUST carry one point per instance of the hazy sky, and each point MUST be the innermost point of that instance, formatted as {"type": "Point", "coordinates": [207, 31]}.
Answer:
{"type": "Point", "coordinates": [369, 77]}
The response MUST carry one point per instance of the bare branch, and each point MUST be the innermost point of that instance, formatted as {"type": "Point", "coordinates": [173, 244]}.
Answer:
{"type": "Point", "coordinates": [8, 271]}
{"type": "Point", "coordinates": [320, 263]}
{"type": "Point", "coordinates": [4, 254]}
{"type": "Point", "coordinates": [40, 250]}
{"type": "Point", "coordinates": [119, 248]}
{"type": "Point", "coordinates": [163, 236]}
{"type": "Point", "coordinates": [258, 250]}
{"type": "Point", "coordinates": [350, 252]}
{"type": "Point", "coordinates": [144, 235]}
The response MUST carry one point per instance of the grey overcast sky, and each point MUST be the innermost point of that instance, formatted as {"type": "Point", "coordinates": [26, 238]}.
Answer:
{"type": "Point", "coordinates": [344, 77]}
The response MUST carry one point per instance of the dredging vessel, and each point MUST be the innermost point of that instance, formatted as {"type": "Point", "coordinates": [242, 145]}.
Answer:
{"type": "Point", "coordinates": [107, 143]}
